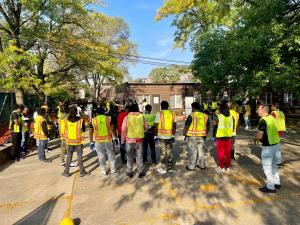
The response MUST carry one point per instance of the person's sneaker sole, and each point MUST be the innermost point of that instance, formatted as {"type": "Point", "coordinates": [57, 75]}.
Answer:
{"type": "Point", "coordinates": [266, 190]}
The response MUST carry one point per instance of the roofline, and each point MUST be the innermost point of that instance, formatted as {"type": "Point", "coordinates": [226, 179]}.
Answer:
{"type": "Point", "coordinates": [190, 83]}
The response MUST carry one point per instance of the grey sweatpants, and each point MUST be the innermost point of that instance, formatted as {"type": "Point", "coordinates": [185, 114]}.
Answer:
{"type": "Point", "coordinates": [103, 148]}
{"type": "Point", "coordinates": [130, 148]}
{"type": "Point", "coordinates": [196, 152]}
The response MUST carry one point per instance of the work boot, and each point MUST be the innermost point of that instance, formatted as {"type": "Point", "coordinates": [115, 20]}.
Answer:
{"type": "Point", "coordinates": [84, 173]}
{"type": "Point", "coordinates": [66, 174]}
{"type": "Point", "coordinates": [189, 169]}
{"type": "Point", "coordinates": [277, 186]}
{"type": "Point", "coordinates": [142, 174]}
{"type": "Point", "coordinates": [129, 174]}
{"type": "Point", "coordinates": [266, 190]}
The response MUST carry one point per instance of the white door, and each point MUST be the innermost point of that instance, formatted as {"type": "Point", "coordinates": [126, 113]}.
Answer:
{"type": "Point", "coordinates": [188, 101]}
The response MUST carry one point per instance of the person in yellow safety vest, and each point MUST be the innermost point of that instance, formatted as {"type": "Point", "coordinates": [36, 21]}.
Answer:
{"type": "Point", "coordinates": [74, 128]}
{"type": "Point", "coordinates": [41, 134]}
{"type": "Point", "coordinates": [25, 131]}
{"type": "Point", "coordinates": [280, 118]}
{"type": "Point", "coordinates": [15, 126]}
{"type": "Point", "coordinates": [206, 107]}
{"type": "Point", "coordinates": [235, 116]}
{"type": "Point", "coordinates": [164, 132]}
{"type": "Point", "coordinates": [103, 131]}
{"type": "Point", "coordinates": [247, 115]}
{"type": "Point", "coordinates": [224, 124]}
{"type": "Point", "coordinates": [268, 135]}
{"type": "Point", "coordinates": [63, 144]}
{"type": "Point", "coordinates": [197, 126]}
{"type": "Point", "coordinates": [149, 136]}
{"type": "Point", "coordinates": [133, 132]}
{"type": "Point", "coordinates": [213, 106]}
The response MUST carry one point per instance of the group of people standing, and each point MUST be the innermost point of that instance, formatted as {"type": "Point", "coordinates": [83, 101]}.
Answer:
{"type": "Point", "coordinates": [134, 132]}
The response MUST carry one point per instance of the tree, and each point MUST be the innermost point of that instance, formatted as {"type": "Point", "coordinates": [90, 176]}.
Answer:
{"type": "Point", "coordinates": [168, 74]}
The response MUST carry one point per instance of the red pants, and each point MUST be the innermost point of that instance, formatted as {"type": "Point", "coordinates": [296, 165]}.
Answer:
{"type": "Point", "coordinates": [224, 152]}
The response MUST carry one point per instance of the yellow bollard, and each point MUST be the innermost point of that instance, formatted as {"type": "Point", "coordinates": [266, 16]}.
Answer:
{"type": "Point", "coordinates": [67, 221]}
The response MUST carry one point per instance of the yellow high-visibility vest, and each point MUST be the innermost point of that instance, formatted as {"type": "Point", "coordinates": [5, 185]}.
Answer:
{"type": "Point", "coordinates": [272, 130]}
{"type": "Point", "coordinates": [225, 126]}
{"type": "Point", "coordinates": [16, 128]}
{"type": "Point", "coordinates": [235, 116]}
{"type": "Point", "coordinates": [135, 126]}
{"type": "Point", "coordinates": [62, 122]}
{"type": "Point", "coordinates": [38, 130]}
{"type": "Point", "coordinates": [101, 125]}
{"type": "Point", "coordinates": [198, 125]}
{"type": "Point", "coordinates": [205, 106]}
{"type": "Point", "coordinates": [280, 118]}
{"type": "Point", "coordinates": [214, 105]}
{"type": "Point", "coordinates": [165, 125]}
{"type": "Point", "coordinates": [150, 118]}
{"type": "Point", "coordinates": [73, 132]}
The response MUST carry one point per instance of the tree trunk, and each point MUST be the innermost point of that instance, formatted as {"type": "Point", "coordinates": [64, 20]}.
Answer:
{"type": "Point", "coordinates": [20, 96]}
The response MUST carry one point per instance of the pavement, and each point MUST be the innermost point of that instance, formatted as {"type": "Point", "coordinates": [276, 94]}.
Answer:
{"type": "Point", "coordinates": [35, 193]}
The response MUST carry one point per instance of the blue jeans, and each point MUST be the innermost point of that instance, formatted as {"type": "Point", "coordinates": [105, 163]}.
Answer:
{"type": "Point", "coordinates": [269, 161]}
{"type": "Point", "coordinates": [25, 136]}
{"type": "Point", "coordinates": [278, 156]}
{"type": "Point", "coordinates": [247, 121]}
{"type": "Point", "coordinates": [41, 149]}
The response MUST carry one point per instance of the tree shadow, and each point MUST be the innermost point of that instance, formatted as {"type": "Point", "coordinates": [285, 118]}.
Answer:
{"type": "Point", "coordinates": [41, 214]}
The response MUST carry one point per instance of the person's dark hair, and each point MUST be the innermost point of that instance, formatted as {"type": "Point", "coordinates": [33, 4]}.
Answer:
{"type": "Point", "coordinates": [148, 108]}
{"type": "Point", "coordinates": [248, 103]}
{"type": "Point", "coordinates": [100, 111]}
{"type": "Point", "coordinates": [17, 106]}
{"type": "Point", "coordinates": [127, 107]}
{"type": "Point", "coordinates": [22, 107]}
{"type": "Point", "coordinates": [134, 108]}
{"type": "Point", "coordinates": [42, 111]}
{"type": "Point", "coordinates": [196, 105]}
{"type": "Point", "coordinates": [224, 109]}
{"type": "Point", "coordinates": [164, 105]}
{"type": "Point", "coordinates": [72, 113]}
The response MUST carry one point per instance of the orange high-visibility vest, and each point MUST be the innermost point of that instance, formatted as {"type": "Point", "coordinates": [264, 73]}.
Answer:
{"type": "Point", "coordinates": [165, 124]}
{"type": "Point", "coordinates": [38, 131]}
{"type": "Point", "coordinates": [101, 125]}
{"type": "Point", "coordinates": [73, 132]}
{"type": "Point", "coordinates": [198, 125]}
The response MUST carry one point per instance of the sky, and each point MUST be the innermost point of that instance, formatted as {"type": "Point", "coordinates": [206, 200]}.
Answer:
{"type": "Point", "coordinates": [153, 38]}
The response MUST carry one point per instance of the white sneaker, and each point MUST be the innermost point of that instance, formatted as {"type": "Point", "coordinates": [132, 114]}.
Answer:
{"type": "Point", "coordinates": [74, 164]}
{"type": "Point", "coordinates": [228, 169]}
{"type": "Point", "coordinates": [103, 173]}
{"type": "Point", "coordinates": [161, 171]}
{"type": "Point", "coordinates": [62, 164]}
{"type": "Point", "coordinates": [219, 170]}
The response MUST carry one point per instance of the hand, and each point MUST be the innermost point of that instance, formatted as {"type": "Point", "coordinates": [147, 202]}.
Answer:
{"type": "Point", "coordinates": [173, 138]}
{"type": "Point", "coordinates": [92, 146]}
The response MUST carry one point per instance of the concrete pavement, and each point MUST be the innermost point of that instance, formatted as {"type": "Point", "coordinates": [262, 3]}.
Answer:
{"type": "Point", "coordinates": [35, 193]}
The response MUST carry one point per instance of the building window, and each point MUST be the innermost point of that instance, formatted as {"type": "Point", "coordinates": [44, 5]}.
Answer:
{"type": "Point", "coordinates": [142, 97]}
{"type": "Point", "coordinates": [176, 101]}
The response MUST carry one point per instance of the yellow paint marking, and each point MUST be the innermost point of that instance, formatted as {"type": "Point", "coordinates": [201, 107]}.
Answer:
{"type": "Point", "coordinates": [208, 187]}
{"type": "Point", "coordinates": [245, 180]}
{"type": "Point", "coordinates": [68, 211]}
{"type": "Point", "coordinates": [167, 216]}
{"type": "Point", "coordinates": [170, 191]}
{"type": "Point", "coordinates": [16, 204]}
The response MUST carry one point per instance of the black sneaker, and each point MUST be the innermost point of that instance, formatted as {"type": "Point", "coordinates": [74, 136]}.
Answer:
{"type": "Point", "coordinates": [84, 174]}
{"type": "Point", "coordinates": [277, 186]}
{"type": "Point", "coordinates": [129, 174]}
{"type": "Point", "coordinates": [187, 167]}
{"type": "Point", "coordinates": [266, 190]}
{"type": "Point", "coordinates": [66, 174]}
{"type": "Point", "coordinates": [142, 174]}
{"type": "Point", "coordinates": [279, 165]}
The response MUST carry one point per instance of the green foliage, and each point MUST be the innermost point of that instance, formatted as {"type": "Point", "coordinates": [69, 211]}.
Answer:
{"type": "Point", "coordinates": [249, 46]}
{"type": "Point", "coordinates": [168, 74]}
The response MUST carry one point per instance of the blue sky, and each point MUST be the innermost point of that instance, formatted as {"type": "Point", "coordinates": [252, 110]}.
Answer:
{"type": "Point", "coordinates": [154, 38]}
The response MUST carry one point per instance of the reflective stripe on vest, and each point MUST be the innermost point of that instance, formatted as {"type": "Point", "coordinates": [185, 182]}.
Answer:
{"type": "Point", "coordinates": [101, 125]}
{"type": "Point", "coordinates": [225, 126]}
{"type": "Point", "coordinates": [73, 132]}
{"type": "Point", "coordinates": [38, 129]}
{"type": "Point", "coordinates": [235, 115]}
{"type": "Point", "coordinates": [198, 125]}
{"type": "Point", "coordinates": [165, 125]}
{"type": "Point", "coordinates": [280, 118]}
{"type": "Point", "coordinates": [150, 118]}
{"type": "Point", "coordinates": [272, 129]}
{"type": "Point", "coordinates": [135, 126]}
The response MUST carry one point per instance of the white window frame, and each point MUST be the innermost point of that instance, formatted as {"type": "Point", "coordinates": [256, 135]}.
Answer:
{"type": "Point", "coordinates": [142, 97]}
{"type": "Point", "coordinates": [176, 104]}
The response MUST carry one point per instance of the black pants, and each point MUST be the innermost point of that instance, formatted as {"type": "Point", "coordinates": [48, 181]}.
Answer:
{"type": "Point", "coordinates": [122, 151]}
{"type": "Point", "coordinates": [70, 150]}
{"type": "Point", "coordinates": [149, 140]}
{"type": "Point", "coordinates": [16, 139]}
